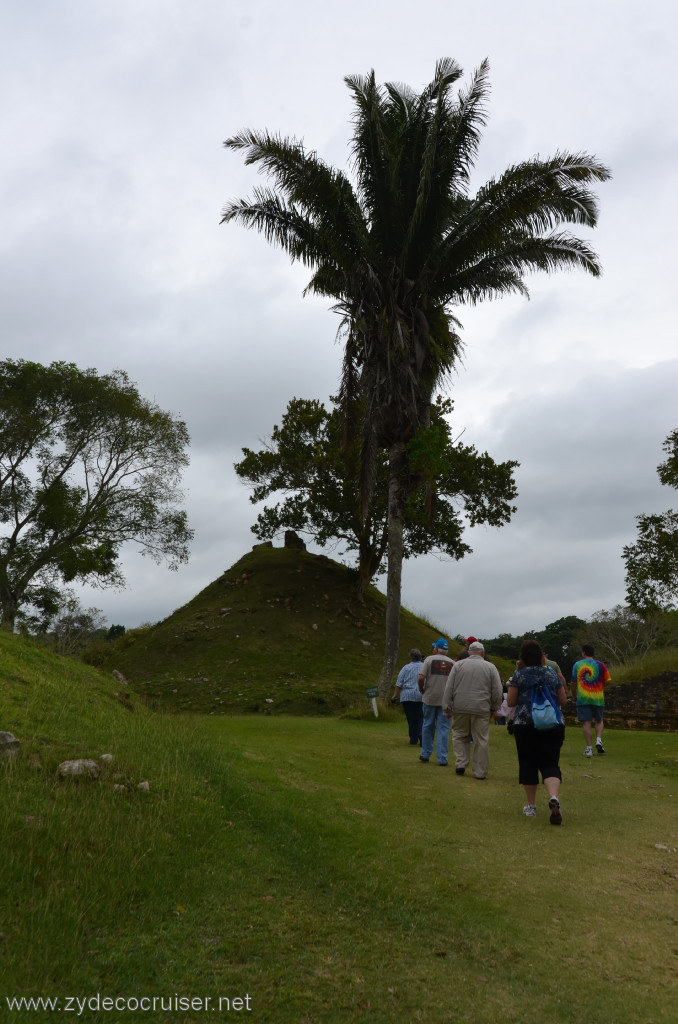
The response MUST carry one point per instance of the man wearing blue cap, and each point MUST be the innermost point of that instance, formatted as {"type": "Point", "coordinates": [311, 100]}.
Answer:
{"type": "Point", "coordinates": [432, 680]}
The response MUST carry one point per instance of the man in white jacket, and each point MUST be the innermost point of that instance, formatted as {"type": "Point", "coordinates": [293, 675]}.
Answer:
{"type": "Point", "coordinates": [473, 691]}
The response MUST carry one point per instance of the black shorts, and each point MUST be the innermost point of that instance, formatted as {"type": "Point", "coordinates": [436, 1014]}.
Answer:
{"type": "Point", "coordinates": [538, 751]}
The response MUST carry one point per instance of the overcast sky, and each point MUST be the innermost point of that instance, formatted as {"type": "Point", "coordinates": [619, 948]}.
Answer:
{"type": "Point", "coordinates": [112, 180]}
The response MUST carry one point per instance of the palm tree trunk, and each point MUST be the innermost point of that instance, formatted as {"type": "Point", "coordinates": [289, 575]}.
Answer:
{"type": "Point", "coordinates": [396, 467]}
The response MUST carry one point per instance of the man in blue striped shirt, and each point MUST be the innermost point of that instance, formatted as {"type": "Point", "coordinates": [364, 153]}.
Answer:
{"type": "Point", "coordinates": [407, 688]}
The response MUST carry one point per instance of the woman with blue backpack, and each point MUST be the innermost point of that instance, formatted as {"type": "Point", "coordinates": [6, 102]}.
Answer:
{"type": "Point", "coordinates": [537, 694]}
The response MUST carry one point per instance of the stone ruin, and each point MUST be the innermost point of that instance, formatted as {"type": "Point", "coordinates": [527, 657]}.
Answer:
{"type": "Point", "coordinates": [293, 540]}
{"type": "Point", "coordinates": [649, 704]}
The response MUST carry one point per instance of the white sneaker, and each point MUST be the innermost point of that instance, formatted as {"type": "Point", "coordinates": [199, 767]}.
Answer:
{"type": "Point", "coordinates": [588, 752]}
{"type": "Point", "coordinates": [530, 810]}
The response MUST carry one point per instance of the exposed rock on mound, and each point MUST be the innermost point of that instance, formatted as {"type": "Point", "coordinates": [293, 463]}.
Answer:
{"type": "Point", "coordinates": [80, 768]}
{"type": "Point", "coordinates": [9, 746]}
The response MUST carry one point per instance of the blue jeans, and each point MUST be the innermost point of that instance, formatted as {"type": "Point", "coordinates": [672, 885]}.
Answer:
{"type": "Point", "coordinates": [435, 724]}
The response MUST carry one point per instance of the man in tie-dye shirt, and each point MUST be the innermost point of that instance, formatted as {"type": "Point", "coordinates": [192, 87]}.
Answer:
{"type": "Point", "coordinates": [589, 678]}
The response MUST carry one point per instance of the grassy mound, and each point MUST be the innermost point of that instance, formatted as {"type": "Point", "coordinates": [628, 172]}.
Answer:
{"type": "Point", "coordinates": [652, 664]}
{"type": "Point", "coordinates": [315, 867]}
{"type": "Point", "coordinates": [280, 631]}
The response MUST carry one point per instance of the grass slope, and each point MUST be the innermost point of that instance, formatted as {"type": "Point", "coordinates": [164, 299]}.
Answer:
{"type": "Point", "coordinates": [653, 664]}
{"type": "Point", "coordinates": [317, 867]}
{"type": "Point", "coordinates": [280, 631]}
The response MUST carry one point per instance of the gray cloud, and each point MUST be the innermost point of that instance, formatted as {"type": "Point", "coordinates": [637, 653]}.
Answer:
{"type": "Point", "coordinates": [111, 255]}
{"type": "Point", "coordinates": [588, 455]}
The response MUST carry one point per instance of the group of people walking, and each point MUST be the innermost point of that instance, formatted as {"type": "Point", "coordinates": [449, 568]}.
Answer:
{"type": "Point", "coordinates": [441, 696]}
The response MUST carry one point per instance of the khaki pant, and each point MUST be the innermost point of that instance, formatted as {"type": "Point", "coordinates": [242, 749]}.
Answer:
{"type": "Point", "coordinates": [463, 727]}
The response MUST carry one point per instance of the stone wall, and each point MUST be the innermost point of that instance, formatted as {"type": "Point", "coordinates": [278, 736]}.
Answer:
{"type": "Point", "coordinates": [648, 704]}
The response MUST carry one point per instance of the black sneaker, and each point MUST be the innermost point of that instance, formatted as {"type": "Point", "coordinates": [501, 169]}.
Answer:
{"type": "Point", "coordinates": [424, 759]}
{"type": "Point", "coordinates": [460, 771]}
{"type": "Point", "coordinates": [599, 747]}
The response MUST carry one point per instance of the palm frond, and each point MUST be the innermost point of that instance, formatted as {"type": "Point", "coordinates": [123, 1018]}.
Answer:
{"type": "Point", "coordinates": [466, 120]}
{"type": "Point", "coordinates": [305, 181]}
{"type": "Point", "coordinates": [447, 72]}
{"type": "Point", "coordinates": [284, 225]}
{"type": "Point", "coordinates": [544, 193]}
{"type": "Point", "coordinates": [374, 155]}
{"type": "Point", "coordinates": [502, 272]}
{"type": "Point", "coordinates": [401, 95]}
{"type": "Point", "coordinates": [448, 142]}
{"type": "Point", "coordinates": [529, 200]}
{"type": "Point", "coordinates": [490, 278]}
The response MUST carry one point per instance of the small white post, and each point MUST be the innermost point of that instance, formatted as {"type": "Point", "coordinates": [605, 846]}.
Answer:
{"type": "Point", "coordinates": [373, 692]}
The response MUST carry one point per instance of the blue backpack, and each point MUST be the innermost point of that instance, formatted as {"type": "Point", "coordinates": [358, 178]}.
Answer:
{"type": "Point", "coordinates": [545, 712]}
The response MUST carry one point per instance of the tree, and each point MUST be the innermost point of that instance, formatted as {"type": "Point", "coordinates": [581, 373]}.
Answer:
{"type": "Point", "coordinates": [561, 639]}
{"type": "Point", "coordinates": [504, 645]}
{"type": "Point", "coordinates": [557, 638]}
{"type": "Point", "coordinates": [652, 562]}
{"type": "Point", "coordinates": [69, 629]}
{"type": "Point", "coordinates": [407, 245]}
{"type": "Point", "coordinates": [86, 465]}
{"type": "Point", "coordinates": [305, 461]}
{"type": "Point", "coordinates": [622, 633]}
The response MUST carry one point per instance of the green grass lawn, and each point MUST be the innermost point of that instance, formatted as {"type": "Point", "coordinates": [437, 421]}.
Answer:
{"type": "Point", "coordinates": [316, 867]}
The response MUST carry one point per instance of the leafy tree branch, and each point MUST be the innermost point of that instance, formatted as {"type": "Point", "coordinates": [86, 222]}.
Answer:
{"type": "Point", "coordinates": [306, 463]}
{"type": "Point", "coordinates": [652, 562]}
{"type": "Point", "coordinates": [86, 465]}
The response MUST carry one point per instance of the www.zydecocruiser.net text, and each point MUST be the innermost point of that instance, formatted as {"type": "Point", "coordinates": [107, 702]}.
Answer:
{"type": "Point", "coordinates": [77, 1005]}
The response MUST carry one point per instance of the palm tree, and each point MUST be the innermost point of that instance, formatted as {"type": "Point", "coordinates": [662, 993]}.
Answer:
{"type": "Point", "coordinates": [402, 247]}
